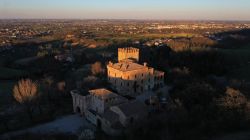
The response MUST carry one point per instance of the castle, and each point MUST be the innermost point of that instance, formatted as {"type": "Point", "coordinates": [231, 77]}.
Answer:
{"type": "Point", "coordinates": [111, 111]}
{"type": "Point", "coordinates": [128, 77]}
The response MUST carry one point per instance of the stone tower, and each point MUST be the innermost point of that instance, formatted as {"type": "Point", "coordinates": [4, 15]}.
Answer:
{"type": "Point", "coordinates": [128, 53]}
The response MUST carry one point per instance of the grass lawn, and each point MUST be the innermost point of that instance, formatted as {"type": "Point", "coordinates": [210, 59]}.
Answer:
{"type": "Point", "coordinates": [7, 73]}
{"type": "Point", "coordinates": [6, 93]}
{"type": "Point", "coordinates": [6, 86]}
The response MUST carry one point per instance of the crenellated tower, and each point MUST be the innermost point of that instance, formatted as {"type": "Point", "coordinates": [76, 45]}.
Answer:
{"type": "Point", "coordinates": [128, 53]}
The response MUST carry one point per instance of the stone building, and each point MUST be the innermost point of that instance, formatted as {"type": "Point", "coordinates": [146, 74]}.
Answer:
{"type": "Point", "coordinates": [96, 100]}
{"type": "Point", "coordinates": [111, 111]}
{"type": "Point", "coordinates": [108, 110]}
{"type": "Point", "coordinates": [128, 53]}
{"type": "Point", "coordinates": [128, 77]}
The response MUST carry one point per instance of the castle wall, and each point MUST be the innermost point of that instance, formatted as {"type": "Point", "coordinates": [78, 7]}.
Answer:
{"type": "Point", "coordinates": [126, 53]}
{"type": "Point", "coordinates": [134, 82]}
{"type": "Point", "coordinates": [97, 104]}
{"type": "Point", "coordinates": [80, 102]}
{"type": "Point", "coordinates": [158, 79]}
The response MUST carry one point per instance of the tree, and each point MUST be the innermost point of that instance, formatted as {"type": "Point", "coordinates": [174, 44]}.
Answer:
{"type": "Point", "coordinates": [47, 83]}
{"type": "Point", "coordinates": [234, 99]}
{"type": "Point", "coordinates": [233, 109]}
{"type": "Point", "coordinates": [26, 92]}
{"type": "Point", "coordinates": [96, 68]}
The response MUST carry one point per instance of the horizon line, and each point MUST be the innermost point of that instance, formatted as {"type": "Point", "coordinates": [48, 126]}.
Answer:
{"type": "Point", "coordinates": [133, 19]}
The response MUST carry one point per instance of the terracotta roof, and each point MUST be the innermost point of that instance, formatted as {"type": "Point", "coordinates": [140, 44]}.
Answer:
{"type": "Point", "coordinates": [127, 66]}
{"type": "Point", "coordinates": [103, 93]}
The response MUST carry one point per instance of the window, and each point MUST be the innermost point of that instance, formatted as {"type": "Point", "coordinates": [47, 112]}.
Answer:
{"type": "Point", "coordinates": [135, 76]}
{"type": "Point", "coordinates": [141, 75]}
{"type": "Point", "coordinates": [121, 84]}
{"type": "Point", "coordinates": [128, 84]}
{"type": "Point", "coordinates": [142, 81]}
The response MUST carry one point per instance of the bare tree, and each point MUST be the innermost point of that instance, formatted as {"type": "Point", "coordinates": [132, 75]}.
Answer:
{"type": "Point", "coordinates": [26, 92]}
{"type": "Point", "coordinates": [234, 99]}
{"type": "Point", "coordinates": [96, 68]}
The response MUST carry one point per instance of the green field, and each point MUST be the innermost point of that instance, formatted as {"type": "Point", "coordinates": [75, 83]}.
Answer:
{"type": "Point", "coordinates": [154, 36]}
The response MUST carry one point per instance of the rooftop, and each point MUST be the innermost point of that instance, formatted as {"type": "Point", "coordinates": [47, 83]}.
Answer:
{"type": "Point", "coordinates": [127, 66]}
{"type": "Point", "coordinates": [131, 49]}
{"type": "Point", "coordinates": [131, 108]}
{"type": "Point", "coordinates": [103, 93]}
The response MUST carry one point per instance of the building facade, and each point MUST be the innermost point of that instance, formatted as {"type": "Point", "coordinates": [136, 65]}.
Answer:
{"type": "Point", "coordinates": [108, 110]}
{"type": "Point", "coordinates": [128, 77]}
{"type": "Point", "coordinates": [111, 111]}
{"type": "Point", "coordinates": [128, 53]}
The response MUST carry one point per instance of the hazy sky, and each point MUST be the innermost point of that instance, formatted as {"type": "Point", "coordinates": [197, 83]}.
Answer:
{"type": "Point", "coordinates": [127, 9]}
